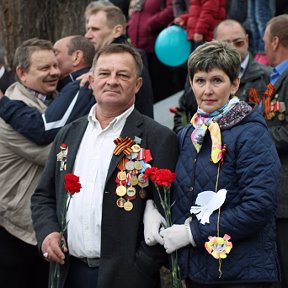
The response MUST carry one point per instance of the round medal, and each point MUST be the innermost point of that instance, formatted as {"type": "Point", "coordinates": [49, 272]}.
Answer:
{"type": "Point", "coordinates": [131, 191]}
{"type": "Point", "coordinates": [128, 206]}
{"type": "Point", "coordinates": [121, 175]}
{"type": "Point", "coordinates": [281, 116]}
{"type": "Point", "coordinates": [121, 191]}
{"type": "Point", "coordinates": [138, 165]}
{"type": "Point", "coordinates": [136, 148]}
{"type": "Point", "coordinates": [142, 194]}
{"type": "Point", "coordinates": [132, 156]}
{"type": "Point", "coordinates": [141, 178]}
{"type": "Point", "coordinates": [129, 165]}
{"type": "Point", "coordinates": [120, 202]}
{"type": "Point", "coordinates": [134, 180]}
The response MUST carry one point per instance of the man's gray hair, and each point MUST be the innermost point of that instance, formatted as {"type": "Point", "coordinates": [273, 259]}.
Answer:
{"type": "Point", "coordinates": [22, 57]}
{"type": "Point", "coordinates": [120, 48]}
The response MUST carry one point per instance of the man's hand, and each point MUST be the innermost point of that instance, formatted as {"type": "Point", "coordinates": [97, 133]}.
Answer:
{"type": "Point", "coordinates": [51, 249]}
{"type": "Point", "coordinates": [153, 221]}
{"type": "Point", "coordinates": [84, 78]}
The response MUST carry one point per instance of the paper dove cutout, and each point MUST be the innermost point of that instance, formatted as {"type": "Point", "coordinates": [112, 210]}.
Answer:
{"type": "Point", "coordinates": [208, 202]}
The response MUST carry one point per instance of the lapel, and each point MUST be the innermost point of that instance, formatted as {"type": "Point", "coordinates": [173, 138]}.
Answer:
{"type": "Point", "coordinates": [279, 83]}
{"type": "Point", "coordinates": [130, 129]}
{"type": "Point", "coordinates": [75, 137]}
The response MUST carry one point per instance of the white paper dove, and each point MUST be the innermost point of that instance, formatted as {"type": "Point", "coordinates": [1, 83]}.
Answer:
{"type": "Point", "coordinates": [208, 201]}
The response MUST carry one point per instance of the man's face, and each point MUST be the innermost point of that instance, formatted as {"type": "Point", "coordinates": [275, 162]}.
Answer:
{"type": "Point", "coordinates": [65, 61]}
{"type": "Point", "coordinates": [43, 73]}
{"type": "Point", "coordinates": [115, 82]}
{"type": "Point", "coordinates": [269, 47]}
{"type": "Point", "coordinates": [235, 35]}
{"type": "Point", "coordinates": [97, 30]}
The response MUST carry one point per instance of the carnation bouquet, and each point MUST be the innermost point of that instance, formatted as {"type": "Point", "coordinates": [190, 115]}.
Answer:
{"type": "Point", "coordinates": [162, 179]}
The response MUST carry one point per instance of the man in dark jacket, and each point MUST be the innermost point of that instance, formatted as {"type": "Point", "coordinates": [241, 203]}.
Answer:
{"type": "Point", "coordinates": [106, 24]}
{"type": "Point", "coordinates": [105, 233]}
{"type": "Point", "coordinates": [253, 76]}
{"type": "Point", "coordinates": [275, 103]}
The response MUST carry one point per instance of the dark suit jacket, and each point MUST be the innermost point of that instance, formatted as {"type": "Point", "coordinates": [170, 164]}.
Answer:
{"type": "Point", "coordinates": [6, 80]}
{"type": "Point", "coordinates": [126, 261]}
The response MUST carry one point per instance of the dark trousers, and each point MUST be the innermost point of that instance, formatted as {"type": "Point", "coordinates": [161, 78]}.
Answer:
{"type": "Point", "coordinates": [166, 80]}
{"type": "Point", "coordinates": [21, 266]}
{"type": "Point", "coordinates": [80, 275]}
{"type": "Point", "coordinates": [282, 240]}
{"type": "Point", "coordinates": [191, 284]}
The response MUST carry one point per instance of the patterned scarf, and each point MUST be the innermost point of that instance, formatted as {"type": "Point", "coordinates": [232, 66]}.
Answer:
{"type": "Point", "coordinates": [209, 121]}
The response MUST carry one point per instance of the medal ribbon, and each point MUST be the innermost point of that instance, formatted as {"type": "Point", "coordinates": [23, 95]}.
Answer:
{"type": "Point", "coordinates": [266, 99]}
{"type": "Point", "coordinates": [123, 145]}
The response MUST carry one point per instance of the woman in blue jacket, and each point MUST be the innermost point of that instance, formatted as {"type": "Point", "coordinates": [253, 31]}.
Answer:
{"type": "Point", "coordinates": [225, 188]}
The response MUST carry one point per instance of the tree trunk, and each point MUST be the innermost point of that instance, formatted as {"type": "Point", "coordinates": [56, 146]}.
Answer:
{"type": "Point", "coordinates": [46, 19]}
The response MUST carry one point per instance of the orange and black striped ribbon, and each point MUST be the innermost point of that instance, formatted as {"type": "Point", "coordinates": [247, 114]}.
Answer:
{"type": "Point", "coordinates": [123, 145]}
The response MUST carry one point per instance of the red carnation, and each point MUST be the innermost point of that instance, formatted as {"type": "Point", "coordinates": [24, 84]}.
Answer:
{"type": "Point", "coordinates": [72, 184]}
{"type": "Point", "coordinates": [163, 177]}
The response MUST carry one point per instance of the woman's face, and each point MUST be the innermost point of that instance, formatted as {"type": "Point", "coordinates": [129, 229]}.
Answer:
{"type": "Point", "coordinates": [212, 89]}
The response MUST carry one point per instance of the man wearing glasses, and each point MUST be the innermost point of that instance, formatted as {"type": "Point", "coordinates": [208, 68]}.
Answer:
{"type": "Point", "coordinates": [254, 76]}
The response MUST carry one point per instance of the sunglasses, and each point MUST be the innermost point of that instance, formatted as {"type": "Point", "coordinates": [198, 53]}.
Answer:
{"type": "Point", "coordinates": [238, 43]}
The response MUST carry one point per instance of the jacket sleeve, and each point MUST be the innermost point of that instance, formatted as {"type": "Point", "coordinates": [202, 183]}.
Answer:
{"type": "Point", "coordinates": [42, 128]}
{"type": "Point", "coordinates": [23, 147]}
{"type": "Point", "coordinates": [161, 19]}
{"type": "Point", "coordinates": [24, 119]}
{"type": "Point", "coordinates": [43, 201]}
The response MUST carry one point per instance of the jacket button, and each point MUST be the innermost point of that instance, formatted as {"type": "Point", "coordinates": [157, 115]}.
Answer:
{"type": "Point", "coordinates": [190, 188]}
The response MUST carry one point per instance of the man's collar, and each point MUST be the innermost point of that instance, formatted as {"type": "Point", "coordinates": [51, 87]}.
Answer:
{"type": "Point", "coordinates": [2, 71]}
{"type": "Point", "coordinates": [71, 77]}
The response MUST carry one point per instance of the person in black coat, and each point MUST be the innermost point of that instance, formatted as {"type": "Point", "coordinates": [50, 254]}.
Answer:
{"type": "Point", "coordinates": [105, 237]}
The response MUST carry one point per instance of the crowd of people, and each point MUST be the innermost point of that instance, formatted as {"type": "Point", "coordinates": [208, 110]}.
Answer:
{"type": "Point", "coordinates": [81, 110]}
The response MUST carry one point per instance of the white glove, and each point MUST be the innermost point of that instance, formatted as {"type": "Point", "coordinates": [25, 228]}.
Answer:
{"type": "Point", "coordinates": [176, 236]}
{"type": "Point", "coordinates": [153, 221]}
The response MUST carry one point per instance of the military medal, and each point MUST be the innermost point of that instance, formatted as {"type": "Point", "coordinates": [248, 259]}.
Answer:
{"type": "Point", "coordinates": [130, 173]}
{"type": "Point", "coordinates": [138, 165]}
{"type": "Point", "coordinates": [131, 191]}
{"type": "Point", "coordinates": [136, 148]}
{"type": "Point", "coordinates": [128, 206]}
{"type": "Point", "coordinates": [129, 165]}
{"type": "Point", "coordinates": [121, 175]}
{"type": "Point", "coordinates": [134, 180]}
{"type": "Point", "coordinates": [142, 194]}
{"type": "Point", "coordinates": [121, 191]}
{"type": "Point", "coordinates": [120, 202]}
{"type": "Point", "coordinates": [281, 116]}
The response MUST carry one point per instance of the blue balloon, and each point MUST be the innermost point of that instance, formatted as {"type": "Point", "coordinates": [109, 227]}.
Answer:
{"type": "Point", "coordinates": [172, 47]}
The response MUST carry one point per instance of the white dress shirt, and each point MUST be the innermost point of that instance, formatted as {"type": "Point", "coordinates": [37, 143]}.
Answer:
{"type": "Point", "coordinates": [91, 165]}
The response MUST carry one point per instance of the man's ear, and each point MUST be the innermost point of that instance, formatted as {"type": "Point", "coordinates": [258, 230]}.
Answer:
{"type": "Point", "coordinates": [21, 74]}
{"type": "Point", "coordinates": [275, 42]}
{"type": "Point", "coordinates": [118, 30]}
{"type": "Point", "coordinates": [138, 84]}
{"type": "Point", "coordinates": [77, 57]}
